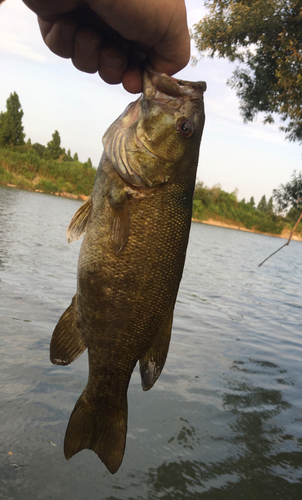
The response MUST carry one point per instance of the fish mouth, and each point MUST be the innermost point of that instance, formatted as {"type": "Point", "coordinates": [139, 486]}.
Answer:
{"type": "Point", "coordinates": [161, 87]}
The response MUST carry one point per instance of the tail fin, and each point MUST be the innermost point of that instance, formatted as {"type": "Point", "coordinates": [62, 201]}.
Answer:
{"type": "Point", "coordinates": [97, 428]}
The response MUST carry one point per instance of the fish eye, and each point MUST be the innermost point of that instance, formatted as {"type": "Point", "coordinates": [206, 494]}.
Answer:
{"type": "Point", "coordinates": [185, 127]}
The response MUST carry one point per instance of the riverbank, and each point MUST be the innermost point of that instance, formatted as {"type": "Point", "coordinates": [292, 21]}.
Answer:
{"type": "Point", "coordinates": [285, 233]}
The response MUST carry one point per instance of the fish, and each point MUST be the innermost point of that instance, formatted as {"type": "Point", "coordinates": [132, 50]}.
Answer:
{"type": "Point", "coordinates": [136, 226]}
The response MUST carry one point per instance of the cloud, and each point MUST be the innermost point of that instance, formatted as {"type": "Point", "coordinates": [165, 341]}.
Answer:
{"type": "Point", "coordinates": [23, 39]}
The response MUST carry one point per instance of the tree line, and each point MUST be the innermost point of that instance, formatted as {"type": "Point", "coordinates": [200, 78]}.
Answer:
{"type": "Point", "coordinates": [288, 197]}
{"type": "Point", "coordinates": [12, 134]}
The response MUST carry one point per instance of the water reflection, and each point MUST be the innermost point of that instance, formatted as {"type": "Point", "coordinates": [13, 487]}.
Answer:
{"type": "Point", "coordinates": [263, 460]}
{"type": "Point", "coordinates": [187, 436]}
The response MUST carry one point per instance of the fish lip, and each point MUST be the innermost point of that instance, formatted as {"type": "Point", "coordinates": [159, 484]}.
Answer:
{"type": "Point", "coordinates": [161, 86]}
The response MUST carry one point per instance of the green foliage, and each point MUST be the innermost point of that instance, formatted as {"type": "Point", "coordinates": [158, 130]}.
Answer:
{"type": "Point", "coordinates": [290, 194]}
{"type": "Point", "coordinates": [39, 149]}
{"type": "Point", "coordinates": [214, 203]}
{"type": "Point", "coordinates": [67, 156]}
{"type": "Point", "coordinates": [32, 172]}
{"type": "Point", "coordinates": [272, 225]}
{"type": "Point", "coordinates": [270, 206]}
{"type": "Point", "coordinates": [88, 163]}
{"type": "Point", "coordinates": [53, 150]}
{"type": "Point", "coordinates": [46, 168]}
{"type": "Point", "coordinates": [11, 128]}
{"type": "Point", "coordinates": [47, 186]}
{"type": "Point", "coordinates": [266, 38]}
{"type": "Point", "coordinates": [6, 177]}
{"type": "Point", "coordinates": [252, 202]}
{"type": "Point", "coordinates": [293, 214]}
{"type": "Point", "coordinates": [262, 204]}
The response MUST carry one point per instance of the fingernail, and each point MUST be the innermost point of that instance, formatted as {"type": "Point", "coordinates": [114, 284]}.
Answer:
{"type": "Point", "coordinates": [113, 62]}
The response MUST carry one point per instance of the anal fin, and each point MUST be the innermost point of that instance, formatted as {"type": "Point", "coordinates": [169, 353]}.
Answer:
{"type": "Point", "coordinates": [67, 343]}
{"type": "Point", "coordinates": [152, 363]}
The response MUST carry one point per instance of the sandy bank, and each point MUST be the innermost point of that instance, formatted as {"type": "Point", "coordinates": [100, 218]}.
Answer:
{"type": "Point", "coordinates": [285, 233]}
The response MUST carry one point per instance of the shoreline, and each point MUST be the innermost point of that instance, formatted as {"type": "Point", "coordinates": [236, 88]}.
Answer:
{"type": "Point", "coordinates": [80, 197]}
{"type": "Point", "coordinates": [212, 222]}
{"type": "Point", "coordinates": [285, 233]}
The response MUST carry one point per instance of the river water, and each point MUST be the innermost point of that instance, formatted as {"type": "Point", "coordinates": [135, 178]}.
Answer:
{"type": "Point", "coordinates": [224, 420]}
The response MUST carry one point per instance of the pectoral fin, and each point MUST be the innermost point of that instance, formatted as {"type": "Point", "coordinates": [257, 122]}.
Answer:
{"type": "Point", "coordinates": [79, 222]}
{"type": "Point", "coordinates": [120, 219]}
{"type": "Point", "coordinates": [67, 343]}
{"type": "Point", "coordinates": [152, 363]}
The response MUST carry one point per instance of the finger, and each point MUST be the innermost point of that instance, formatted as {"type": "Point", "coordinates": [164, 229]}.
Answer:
{"type": "Point", "coordinates": [113, 63]}
{"type": "Point", "coordinates": [87, 45]}
{"type": "Point", "coordinates": [172, 55]}
{"type": "Point", "coordinates": [59, 35]}
{"type": "Point", "coordinates": [133, 76]}
{"type": "Point", "coordinates": [132, 80]}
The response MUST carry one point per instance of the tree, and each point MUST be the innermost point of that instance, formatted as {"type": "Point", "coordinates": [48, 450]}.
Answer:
{"type": "Point", "coordinates": [262, 204]}
{"type": "Point", "coordinates": [53, 149]}
{"type": "Point", "coordinates": [252, 202]}
{"type": "Point", "coordinates": [270, 206]}
{"type": "Point", "coordinates": [290, 194]}
{"type": "Point", "coordinates": [11, 128]}
{"type": "Point", "coordinates": [266, 38]}
{"type": "Point", "coordinates": [39, 149]}
{"type": "Point", "coordinates": [67, 156]}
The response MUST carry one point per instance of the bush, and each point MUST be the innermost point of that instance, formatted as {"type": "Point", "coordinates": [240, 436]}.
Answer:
{"type": "Point", "coordinates": [270, 225]}
{"type": "Point", "coordinates": [5, 176]}
{"type": "Point", "coordinates": [47, 186]}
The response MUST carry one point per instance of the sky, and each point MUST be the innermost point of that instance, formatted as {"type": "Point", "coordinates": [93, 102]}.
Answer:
{"type": "Point", "coordinates": [252, 158]}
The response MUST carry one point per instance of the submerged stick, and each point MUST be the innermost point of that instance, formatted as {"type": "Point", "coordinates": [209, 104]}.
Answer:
{"type": "Point", "coordinates": [285, 244]}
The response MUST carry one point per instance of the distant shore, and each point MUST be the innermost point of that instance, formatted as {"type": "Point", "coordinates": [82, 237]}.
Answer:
{"type": "Point", "coordinates": [81, 197]}
{"type": "Point", "coordinates": [285, 233]}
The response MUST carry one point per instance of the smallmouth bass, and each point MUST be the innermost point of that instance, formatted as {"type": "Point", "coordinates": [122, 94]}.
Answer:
{"type": "Point", "coordinates": [136, 226]}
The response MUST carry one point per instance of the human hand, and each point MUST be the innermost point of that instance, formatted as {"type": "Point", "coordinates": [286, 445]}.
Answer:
{"type": "Point", "coordinates": [116, 37]}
